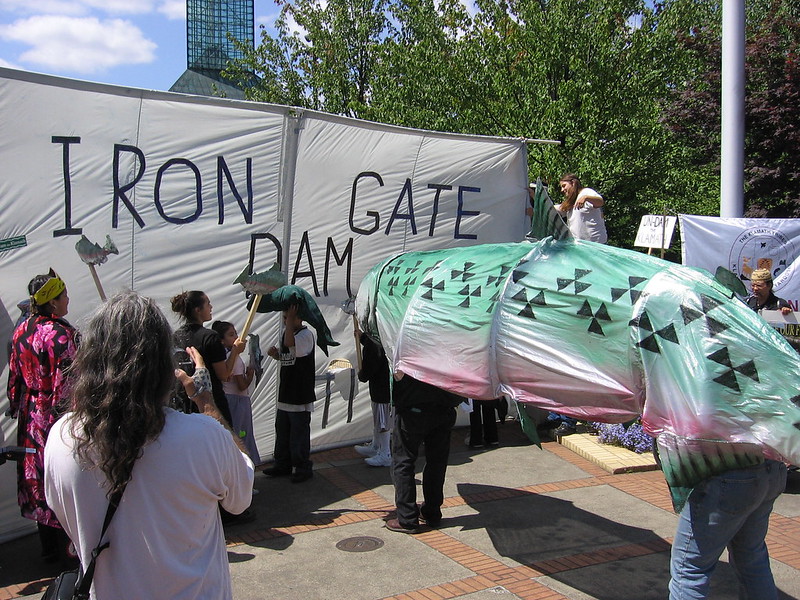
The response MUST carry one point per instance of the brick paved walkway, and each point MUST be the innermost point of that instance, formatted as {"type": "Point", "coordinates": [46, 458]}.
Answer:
{"type": "Point", "coordinates": [495, 539]}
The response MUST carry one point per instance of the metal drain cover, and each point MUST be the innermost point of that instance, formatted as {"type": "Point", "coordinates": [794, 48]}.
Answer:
{"type": "Point", "coordinates": [361, 543]}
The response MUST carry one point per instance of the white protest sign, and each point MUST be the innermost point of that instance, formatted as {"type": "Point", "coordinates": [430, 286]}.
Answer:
{"type": "Point", "coordinates": [655, 231]}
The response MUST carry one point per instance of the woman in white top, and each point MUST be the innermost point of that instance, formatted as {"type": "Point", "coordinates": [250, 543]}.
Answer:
{"type": "Point", "coordinates": [582, 207]}
{"type": "Point", "coordinates": [176, 469]}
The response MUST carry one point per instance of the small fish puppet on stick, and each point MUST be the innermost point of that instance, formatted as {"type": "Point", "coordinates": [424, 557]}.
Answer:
{"type": "Point", "coordinates": [271, 293]}
{"type": "Point", "coordinates": [596, 333]}
{"type": "Point", "coordinates": [93, 254]}
{"type": "Point", "coordinates": [259, 284]}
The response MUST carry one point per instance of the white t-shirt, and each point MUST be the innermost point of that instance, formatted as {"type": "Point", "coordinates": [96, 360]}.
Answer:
{"type": "Point", "coordinates": [230, 386]}
{"type": "Point", "coordinates": [586, 223]}
{"type": "Point", "coordinates": [166, 538]}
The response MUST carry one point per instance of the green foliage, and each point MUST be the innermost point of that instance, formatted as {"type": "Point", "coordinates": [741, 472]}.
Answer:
{"type": "Point", "coordinates": [604, 77]}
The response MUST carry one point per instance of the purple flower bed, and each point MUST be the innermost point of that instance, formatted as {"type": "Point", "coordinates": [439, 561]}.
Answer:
{"type": "Point", "coordinates": [634, 438]}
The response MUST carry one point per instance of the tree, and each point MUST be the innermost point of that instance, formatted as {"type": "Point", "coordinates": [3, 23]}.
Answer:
{"type": "Point", "coordinates": [593, 74]}
{"type": "Point", "coordinates": [772, 109]}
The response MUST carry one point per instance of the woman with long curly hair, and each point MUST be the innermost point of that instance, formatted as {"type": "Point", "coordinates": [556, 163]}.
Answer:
{"type": "Point", "coordinates": [42, 349]}
{"type": "Point", "coordinates": [166, 538]}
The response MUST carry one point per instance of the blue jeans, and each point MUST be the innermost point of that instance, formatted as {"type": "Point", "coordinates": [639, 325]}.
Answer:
{"type": "Point", "coordinates": [730, 510]}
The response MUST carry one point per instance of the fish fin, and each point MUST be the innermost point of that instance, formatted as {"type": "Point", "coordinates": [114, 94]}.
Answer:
{"type": "Point", "coordinates": [527, 424]}
{"type": "Point", "coordinates": [546, 221]}
{"type": "Point", "coordinates": [242, 277]}
{"type": "Point", "coordinates": [729, 280]}
{"type": "Point", "coordinates": [687, 462]}
{"type": "Point", "coordinates": [110, 247]}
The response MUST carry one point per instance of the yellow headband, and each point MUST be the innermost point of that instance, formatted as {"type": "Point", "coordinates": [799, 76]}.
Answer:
{"type": "Point", "coordinates": [51, 289]}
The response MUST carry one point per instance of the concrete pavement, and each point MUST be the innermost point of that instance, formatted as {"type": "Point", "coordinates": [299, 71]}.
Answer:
{"type": "Point", "coordinates": [519, 522]}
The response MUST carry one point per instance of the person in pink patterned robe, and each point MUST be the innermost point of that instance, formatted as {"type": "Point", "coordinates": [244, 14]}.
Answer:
{"type": "Point", "coordinates": [42, 347]}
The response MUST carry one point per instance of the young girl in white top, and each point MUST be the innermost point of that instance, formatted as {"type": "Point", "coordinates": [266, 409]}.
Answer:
{"type": "Point", "coordinates": [236, 389]}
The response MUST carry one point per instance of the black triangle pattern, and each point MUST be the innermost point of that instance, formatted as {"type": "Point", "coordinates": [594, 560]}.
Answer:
{"type": "Point", "coordinates": [721, 356]}
{"type": "Point", "coordinates": [539, 299]}
{"type": "Point", "coordinates": [714, 326]}
{"type": "Point", "coordinates": [585, 310]}
{"type": "Point", "coordinates": [527, 312]}
{"type": "Point", "coordinates": [708, 303]}
{"type": "Point", "coordinates": [617, 293]}
{"type": "Point", "coordinates": [748, 369]}
{"type": "Point", "coordinates": [668, 333]}
{"type": "Point", "coordinates": [602, 313]}
{"type": "Point", "coordinates": [649, 343]}
{"type": "Point", "coordinates": [594, 327]}
{"type": "Point", "coordinates": [689, 314]}
{"type": "Point", "coordinates": [728, 379]}
{"type": "Point", "coordinates": [414, 268]}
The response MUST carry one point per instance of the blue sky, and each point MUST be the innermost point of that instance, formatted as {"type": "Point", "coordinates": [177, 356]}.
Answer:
{"type": "Point", "coordinates": [136, 43]}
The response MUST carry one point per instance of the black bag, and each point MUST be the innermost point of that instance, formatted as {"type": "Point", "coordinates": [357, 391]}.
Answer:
{"type": "Point", "coordinates": [64, 587]}
{"type": "Point", "coordinates": [75, 584]}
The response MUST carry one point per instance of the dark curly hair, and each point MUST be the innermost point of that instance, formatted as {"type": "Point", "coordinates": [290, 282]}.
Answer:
{"type": "Point", "coordinates": [125, 372]}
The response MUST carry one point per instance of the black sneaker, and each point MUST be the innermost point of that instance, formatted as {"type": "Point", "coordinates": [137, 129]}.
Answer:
{"type": "Point", "coordinates": [301, 476]}
{"type": "Point", "coordinates": [273, 472]}
{"type": "Point", "coordinates": [563, 430]}
{"type": "Point", "coordinates": [229, 520]}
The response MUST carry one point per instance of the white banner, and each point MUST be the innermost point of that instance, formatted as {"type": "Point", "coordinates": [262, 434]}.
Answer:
{"type": "Point", "coordinates": [193, 189]}
{"type": "Point", "coordinates": [743, 245]}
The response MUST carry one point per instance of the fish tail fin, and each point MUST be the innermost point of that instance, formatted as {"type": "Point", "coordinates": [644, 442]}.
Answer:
{"type": "Point", "coordinates": [110, 247]}
{"type": "Point", "coordinates": [546, 220]}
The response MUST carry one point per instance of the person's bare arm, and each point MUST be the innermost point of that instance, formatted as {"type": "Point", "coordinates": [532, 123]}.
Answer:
{"type": "Point", "coordinates": [596, 200]}
{"type": "Point", "coordinates": [203, 398]}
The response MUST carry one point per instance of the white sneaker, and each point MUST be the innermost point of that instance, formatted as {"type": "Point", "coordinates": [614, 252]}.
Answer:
{"type": "Point", "coordinates": [379, 460]}
{"type": "Point", "coordinates": [366, 450]}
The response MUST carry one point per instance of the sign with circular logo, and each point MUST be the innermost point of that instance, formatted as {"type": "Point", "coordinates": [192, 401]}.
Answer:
{"type": "Point", "coordinates": [762, 248]}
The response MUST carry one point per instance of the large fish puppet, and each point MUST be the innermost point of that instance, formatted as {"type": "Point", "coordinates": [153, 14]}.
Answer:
{"type": "Point", "coordinates": [597, 333]}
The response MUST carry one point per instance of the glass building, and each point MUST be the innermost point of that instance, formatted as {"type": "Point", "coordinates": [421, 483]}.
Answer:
{"type": "Point", "coordinates": [208, 49]}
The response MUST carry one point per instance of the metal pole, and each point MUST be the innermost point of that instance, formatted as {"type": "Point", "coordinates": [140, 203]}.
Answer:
{"type": "Point", "coordinates": [733, 81]}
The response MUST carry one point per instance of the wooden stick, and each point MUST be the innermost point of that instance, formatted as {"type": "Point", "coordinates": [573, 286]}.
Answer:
{"type": "Point", "coordinates": [97, 283]}
{"type": "Point", "coordinates": [358, 342]}
{"type": "Point", "coordinates": [253, 309]}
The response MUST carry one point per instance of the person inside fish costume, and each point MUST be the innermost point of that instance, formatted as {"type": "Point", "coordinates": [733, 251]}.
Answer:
{"type": "Point", "coordinates": [606, 334]}
{"type": "Point", "coordinates": [597, 333]}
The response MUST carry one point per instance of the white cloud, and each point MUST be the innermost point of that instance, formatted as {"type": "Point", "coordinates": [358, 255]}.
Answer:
{"type": "Point", "coordinates": [76, 7]}
{"type": "Point", "coordinates": [83, 45]}
{"type": "Point", "coordinates": [5, 63]}
{"type": "Point", "coordinates": [61, 7]}
{"type": "Point", "coordinates": [173, 9]}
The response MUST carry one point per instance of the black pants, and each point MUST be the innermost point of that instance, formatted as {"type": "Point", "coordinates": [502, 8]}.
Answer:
{"type": "Point", "coordinates": [411, 430]}
{"type": "Point", "coordinates": [483, 422]}
{"type": "Point", "coordinates": [293, 441]}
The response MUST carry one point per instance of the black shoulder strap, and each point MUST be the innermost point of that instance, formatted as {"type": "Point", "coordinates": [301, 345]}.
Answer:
{"type": "Point", "coordinates": [84, 583]}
